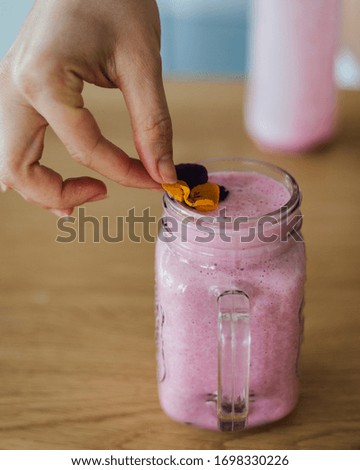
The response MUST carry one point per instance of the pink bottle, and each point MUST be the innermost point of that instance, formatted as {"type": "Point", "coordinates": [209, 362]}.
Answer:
{"type": "Point", "coordinates": [291, 96]}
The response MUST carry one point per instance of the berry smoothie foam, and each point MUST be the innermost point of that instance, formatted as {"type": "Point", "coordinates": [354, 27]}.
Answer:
{"type": "Point", "coordinates": [189, 279]}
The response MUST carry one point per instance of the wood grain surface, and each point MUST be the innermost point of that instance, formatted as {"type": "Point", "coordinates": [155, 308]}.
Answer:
{"type": "Point", "coordinates": [77, 355]}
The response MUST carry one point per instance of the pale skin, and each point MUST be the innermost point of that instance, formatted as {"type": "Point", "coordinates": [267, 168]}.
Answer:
{"type": "Point", "coordinates": [62, 44]}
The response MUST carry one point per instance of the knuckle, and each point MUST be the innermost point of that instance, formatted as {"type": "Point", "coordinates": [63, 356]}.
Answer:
{"type": "Point", "coordinates": [4, 72]}
{"type": "Point", "coordinates": [146, 66]}
{"type": "Point", "coordinates": [151, 67]}
{"type": "Point", "coordinates": [6, 180]}
{"type": "Point", "coordinates": [8, 173]}
{"type": "Point", "coordinates": [33, 75]}
{"type": "Point", "coordinates": [26, 79]}
{"type": "Point", "coordinates": [86, 157]}
{"type": "Point", "coordinates": [78, 156]}
{"type": "Point", "coordinates": [159, 128]}
{"type": "Point", "coordinates": [81, 157]}
{"type": "Point", "coordinates": [28, 86]}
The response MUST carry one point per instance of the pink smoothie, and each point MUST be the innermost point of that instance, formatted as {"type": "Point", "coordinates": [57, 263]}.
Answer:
{"type": "Point", "coordinates": [250, 194]}
{"type": "Point", "coordinates": [188, 281]}
{"type": "Point", "coordinates": [291, 99]}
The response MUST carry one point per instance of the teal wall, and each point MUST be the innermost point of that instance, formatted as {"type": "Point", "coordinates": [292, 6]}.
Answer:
{"type": "Point", "coordinates": [204, 38]}
{"type": "Point", "coordinates": [199, 37]}
{"type": "Point", "coordinates": [12, 14]}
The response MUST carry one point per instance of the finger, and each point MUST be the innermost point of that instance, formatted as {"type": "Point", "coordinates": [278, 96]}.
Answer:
{"type": "Point", "coordinates": [22, 139]}
{"type": "Point", "coordinates": [142, 86]}
{"type": "Point", "coordinates": [3, 187]}
{"type": "Point", "coordinates": [43, 186]}
{"type": "Point", "coordinates": [62, 213]}
{"type": "Point", "coordinates": [78, 130]}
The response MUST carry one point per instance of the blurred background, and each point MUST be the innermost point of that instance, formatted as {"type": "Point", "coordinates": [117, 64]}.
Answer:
{"type": "Point", "coordinates": [208, 38]}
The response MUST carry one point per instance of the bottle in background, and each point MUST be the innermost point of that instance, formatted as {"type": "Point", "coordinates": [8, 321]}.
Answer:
{"type": "Point", "coordinates": [291, 95]}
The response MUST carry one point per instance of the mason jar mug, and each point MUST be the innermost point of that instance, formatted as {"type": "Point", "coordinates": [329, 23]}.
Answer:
{"type": "Point", "coordinates": [229, 298]}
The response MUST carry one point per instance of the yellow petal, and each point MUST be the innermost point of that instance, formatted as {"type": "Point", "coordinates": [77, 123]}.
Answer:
{"type": "Point", "coordinates": [204, 197]}
{"type": "Point", "coordinates": [179, 190]}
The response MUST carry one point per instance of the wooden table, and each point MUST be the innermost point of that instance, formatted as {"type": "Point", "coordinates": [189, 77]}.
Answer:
{"type": "Point", "coordinates": [77, 356]}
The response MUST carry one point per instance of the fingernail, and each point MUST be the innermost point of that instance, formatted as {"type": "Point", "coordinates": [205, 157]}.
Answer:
{"type": "Point", "coordinates": [60, 213]}
{"type": "Point", "coordinates": [99, 197]}
{"type": "Point", "coordinates": [167, 169]}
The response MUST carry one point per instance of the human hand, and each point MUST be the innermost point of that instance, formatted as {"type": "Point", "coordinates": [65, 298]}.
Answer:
{"type": "Point", "coordinates": [64, 43]}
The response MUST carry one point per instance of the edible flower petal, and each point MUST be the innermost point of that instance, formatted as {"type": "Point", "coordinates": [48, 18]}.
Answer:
{"type": "Point", "coordinates": [223, 193]}
{"type": "Point", "coordinates": [204, 197]}
{"type": "Point", "coordinates": [179, 190]}
{"type": "Point", "coordinates": [192, 173]}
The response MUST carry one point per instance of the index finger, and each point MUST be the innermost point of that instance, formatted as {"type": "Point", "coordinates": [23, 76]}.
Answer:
{"type": "Point", "coordinates": [78, 130]}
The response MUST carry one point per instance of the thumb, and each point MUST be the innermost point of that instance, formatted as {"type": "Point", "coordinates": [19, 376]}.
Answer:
{"type": "Point", "coordinates": [145, 98]}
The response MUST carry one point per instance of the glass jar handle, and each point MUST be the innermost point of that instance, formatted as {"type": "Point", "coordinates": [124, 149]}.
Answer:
{"type": "Point", "coordinates": [233, 360]}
